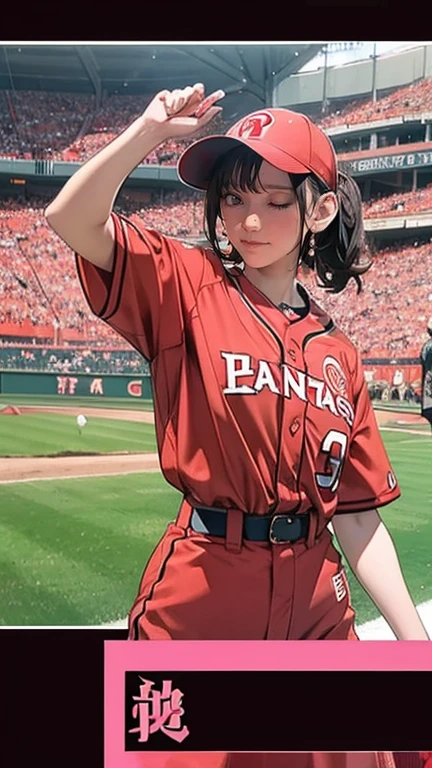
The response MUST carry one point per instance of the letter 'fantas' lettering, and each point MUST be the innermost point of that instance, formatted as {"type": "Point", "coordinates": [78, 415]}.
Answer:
{"type": "Point", "coordinates": [319, 386]}
{"type": "Point", "coordinates": [298, 387]}
{"type": "Point", "coordinates": [265, 378]}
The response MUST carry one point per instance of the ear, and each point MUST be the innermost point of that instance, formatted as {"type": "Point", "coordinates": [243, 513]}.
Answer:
{"type": "Point", "coordinates": [325, 210]}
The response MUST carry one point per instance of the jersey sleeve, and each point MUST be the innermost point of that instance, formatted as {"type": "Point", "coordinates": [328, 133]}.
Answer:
{"type": "Point", "coordinates": [367, 480]}
{"type": "Point", "coordinates": [150, 290]}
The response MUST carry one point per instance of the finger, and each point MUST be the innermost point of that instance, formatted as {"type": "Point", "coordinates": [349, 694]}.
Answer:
{"type": "Point", "coordinates": [209, 115]}
{"type": "Point", "coordinates": [208, 102]}
{"type": "Point", "coordinates": [180, 100]}
{"type": "Point", "coordinates": [187, 92]}
{"type": "Point", "coordinates": [183, 98]}
{"type": "Point", "coordinates": [172, 99]}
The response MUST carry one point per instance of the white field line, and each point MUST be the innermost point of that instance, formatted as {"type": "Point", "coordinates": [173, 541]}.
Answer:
{"type": "Point", "coordinates": [408, 431]}
{"type": "Point", "coordinates": [77, 477]}
{"type": "Point", "coordinates": [378, 629]}
{"type": "Point", "coordinates": [416, 442]}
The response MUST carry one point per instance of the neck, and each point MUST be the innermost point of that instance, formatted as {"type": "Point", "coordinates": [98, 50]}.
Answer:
{"type": "Point", "coordinates": [277, 284]}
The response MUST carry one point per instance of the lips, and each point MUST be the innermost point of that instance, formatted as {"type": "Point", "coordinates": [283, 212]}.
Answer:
{"type": "Point", "coordinates": [252, 242]}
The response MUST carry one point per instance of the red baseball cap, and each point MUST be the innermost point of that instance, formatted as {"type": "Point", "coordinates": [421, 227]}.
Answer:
{"type": "Point", "coordinates": [288, 140]}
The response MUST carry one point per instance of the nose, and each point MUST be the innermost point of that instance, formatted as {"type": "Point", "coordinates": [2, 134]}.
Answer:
{"type": "Point", "coordinates": [252, 223]}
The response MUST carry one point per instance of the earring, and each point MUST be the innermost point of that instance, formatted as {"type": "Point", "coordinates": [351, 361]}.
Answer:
{"type": "Point", "coordinates": [311, 251]}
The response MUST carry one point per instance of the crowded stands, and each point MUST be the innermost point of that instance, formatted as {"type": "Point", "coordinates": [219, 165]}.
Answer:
{"type": "Point", "coordinates": [415, 98]}
{"type": "Point", "coordinates": [400, 203]}
{"type": "Point", "coordinates": [42, 298]}
{"type": "Point", "coordinates": [41, 124]}
{"type": "Point", "coordinates": [82, 360]}
{"type": "Point", "coordinates": [40, 286]}
{"type": "Point", "coordinates": [68, 126]}
{"type": "Point", "coordinates": [389, 317]}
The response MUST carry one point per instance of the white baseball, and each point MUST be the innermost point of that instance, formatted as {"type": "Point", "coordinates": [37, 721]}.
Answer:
{"type": "Point", "coordinates": [81, 420]}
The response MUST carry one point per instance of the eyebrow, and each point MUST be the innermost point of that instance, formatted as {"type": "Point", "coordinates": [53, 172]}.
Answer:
{"type": "Point", "coordinates": [275, 186]}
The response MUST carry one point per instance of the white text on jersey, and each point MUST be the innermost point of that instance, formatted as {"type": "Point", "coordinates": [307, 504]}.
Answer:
{"type": "Point", "coordinates": [286, 381]}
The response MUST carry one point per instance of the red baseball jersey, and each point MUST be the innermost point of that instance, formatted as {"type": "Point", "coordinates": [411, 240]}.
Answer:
{"type": "Point", "coordinates": [254, 409]}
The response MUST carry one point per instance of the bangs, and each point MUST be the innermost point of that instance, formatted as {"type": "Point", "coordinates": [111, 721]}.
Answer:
{"type": "Point", "coordinates": [238, 169]}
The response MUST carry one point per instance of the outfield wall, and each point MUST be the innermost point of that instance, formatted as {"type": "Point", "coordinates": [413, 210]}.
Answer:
{"type": "Point", "coordinates": [80, 385]}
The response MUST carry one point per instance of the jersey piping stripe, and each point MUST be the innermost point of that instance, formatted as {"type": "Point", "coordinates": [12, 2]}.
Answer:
{"type": "Point", "coordinates": [122, 276]}
{"type": "Point", "coordinates": [327, 329]}
{"type": "Point", "coordinates": [157, 581]}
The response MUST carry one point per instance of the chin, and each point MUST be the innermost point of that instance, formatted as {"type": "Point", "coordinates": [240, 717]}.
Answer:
{"type": "Point", "coordinates": [256, 262]}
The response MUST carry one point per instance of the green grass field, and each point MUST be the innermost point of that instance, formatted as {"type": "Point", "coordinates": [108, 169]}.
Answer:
{"type": "Point", "coordinates": [72, 551]}
{"type": "Point", "coordinates": [132, 403]}
{"type": "Point", "coordinates": [50, 434]}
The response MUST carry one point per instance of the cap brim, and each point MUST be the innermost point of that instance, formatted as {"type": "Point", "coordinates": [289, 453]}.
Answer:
{"type": "Point", "coordinates": [197, 162]}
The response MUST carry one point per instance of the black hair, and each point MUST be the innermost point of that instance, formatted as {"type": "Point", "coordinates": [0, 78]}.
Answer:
{"type": "Point", "coordinates": [341, 250]}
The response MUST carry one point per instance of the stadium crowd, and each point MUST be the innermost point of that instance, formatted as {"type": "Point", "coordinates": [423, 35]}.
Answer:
{"type": "Point", "coordinates": [389, 316]}
{"type": "Point", "coordinates": [72, 360]}
{"type": "Point", "coordinates": [68, 126]}
{"type": "Point", "coordinates": [40, 285]}
{"type": "Point", "coordinates": [412, 99]}
{"type": "Point", "coordinates": [400, 203]}
{"type": "Point", "coordinates": [42, 124]}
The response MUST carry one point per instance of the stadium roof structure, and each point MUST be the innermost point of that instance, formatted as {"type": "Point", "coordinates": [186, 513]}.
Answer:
{"type": "Point", "coordinates": [248, 68]}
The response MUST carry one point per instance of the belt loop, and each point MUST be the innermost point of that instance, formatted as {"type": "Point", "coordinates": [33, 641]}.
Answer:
{"type": "Point", "coordinates": [234, 530]}
{"type": "Point", "coordinates": [184, 514]}
{"type": "Point", "coordinates": [313, 528]}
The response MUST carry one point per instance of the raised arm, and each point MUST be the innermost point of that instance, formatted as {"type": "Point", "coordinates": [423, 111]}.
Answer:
{"type": "Point", "coordinates": [80, 214]}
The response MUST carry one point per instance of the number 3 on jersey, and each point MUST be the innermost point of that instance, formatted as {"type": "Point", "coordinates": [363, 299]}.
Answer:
{"type": "Point", "coordinates": [333, 449]}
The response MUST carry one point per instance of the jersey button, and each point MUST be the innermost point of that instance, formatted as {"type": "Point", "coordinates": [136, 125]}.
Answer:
{"type": "Point", "coordinates": [295, 426]}
{"type": "Point", "coordinates": [292, 354]}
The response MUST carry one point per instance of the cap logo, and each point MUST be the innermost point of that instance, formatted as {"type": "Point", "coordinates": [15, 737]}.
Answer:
{"type": "Point", "coordinates": [255, 125]}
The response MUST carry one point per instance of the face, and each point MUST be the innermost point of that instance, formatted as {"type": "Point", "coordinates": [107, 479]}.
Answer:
{"type": "Point", "coordinates": [264, 226]}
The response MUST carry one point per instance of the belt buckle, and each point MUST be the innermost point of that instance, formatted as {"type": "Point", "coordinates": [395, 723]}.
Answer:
{"type": "Point", "coordinates": [290, 519]}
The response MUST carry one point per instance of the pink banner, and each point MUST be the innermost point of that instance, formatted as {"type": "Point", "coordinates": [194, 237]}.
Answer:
{"type": "Point", "coordinates": [124, 656]}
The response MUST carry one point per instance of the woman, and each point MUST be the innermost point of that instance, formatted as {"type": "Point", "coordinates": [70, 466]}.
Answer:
{"type": "Point", "coordinates": [262, 414]}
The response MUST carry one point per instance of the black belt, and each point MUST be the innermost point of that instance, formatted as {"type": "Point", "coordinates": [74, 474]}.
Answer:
{"type": "Point", "coordinates": [278, 529]}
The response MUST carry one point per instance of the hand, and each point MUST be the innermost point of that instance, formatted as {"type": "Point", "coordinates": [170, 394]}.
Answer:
{"type": "Point", "coordinates": [181, 113]}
